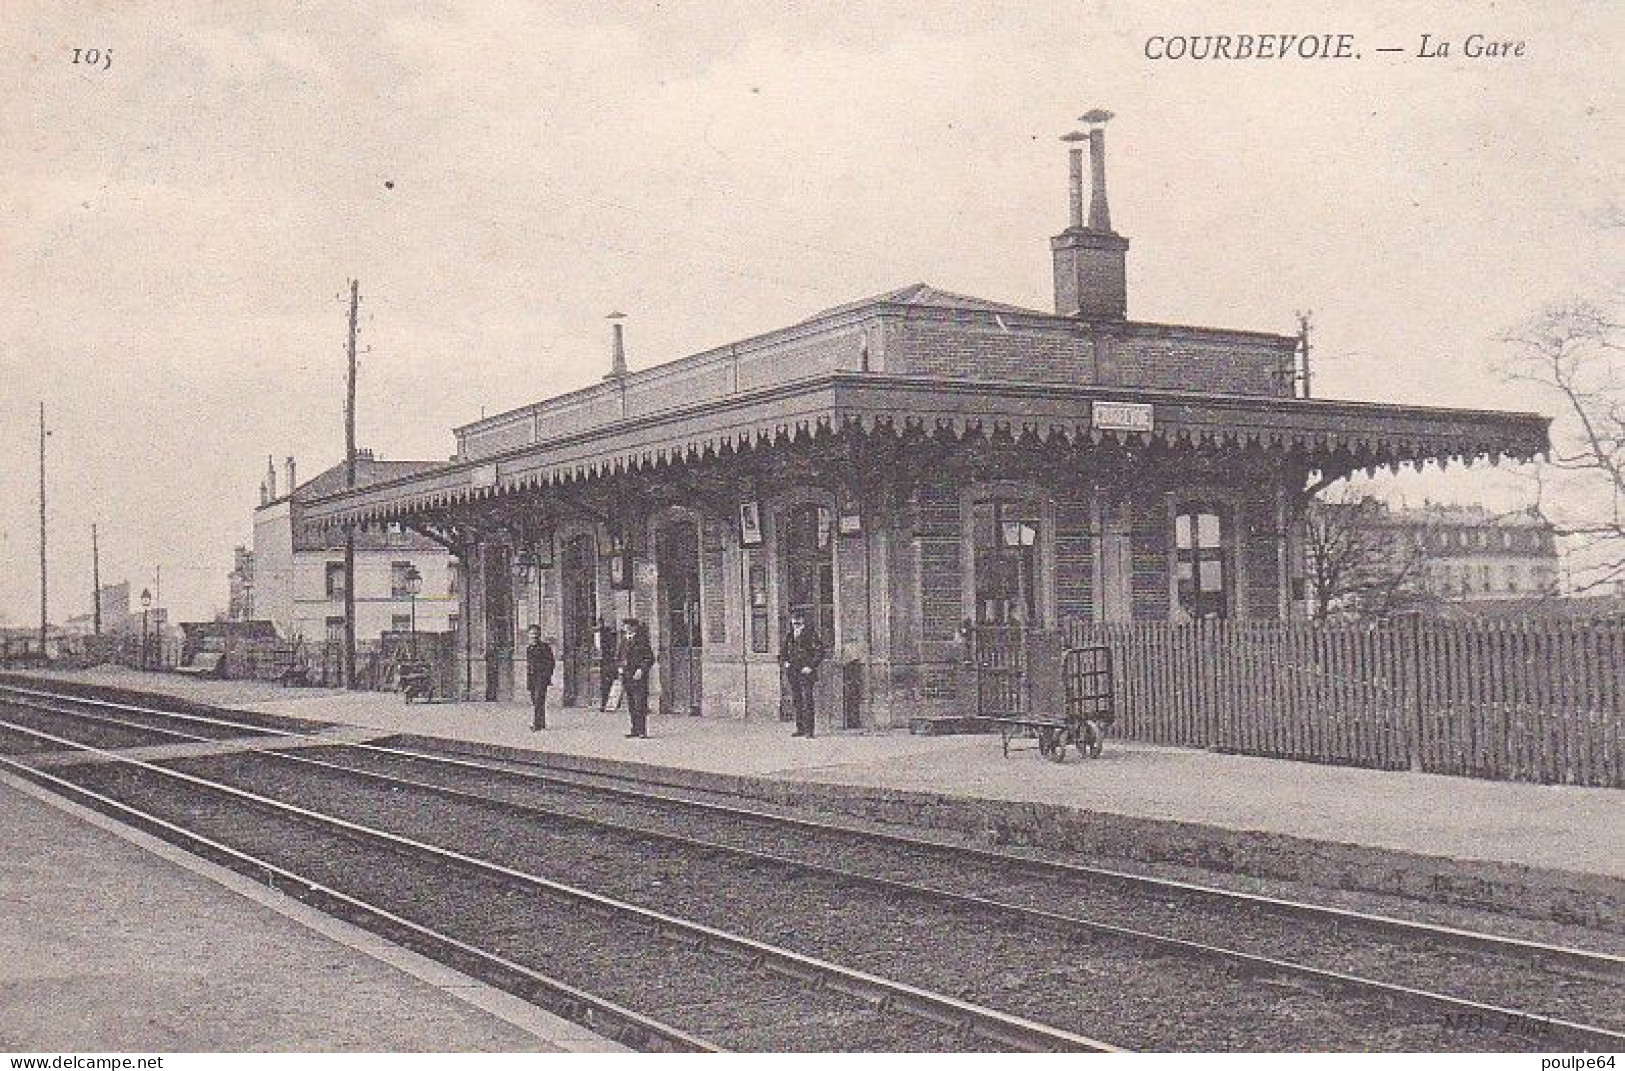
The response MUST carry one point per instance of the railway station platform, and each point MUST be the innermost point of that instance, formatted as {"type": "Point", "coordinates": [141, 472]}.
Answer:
{"type": "Point", "coordinates": [117, 942]}
{"type": "Point", "coordinates": [1544, 851]}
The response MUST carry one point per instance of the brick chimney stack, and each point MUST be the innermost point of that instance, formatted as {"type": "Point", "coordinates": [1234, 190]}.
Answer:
{"type": "Point", "coordinates": [268, 488]}
{"type": "Point", "coordinates": [292, 483]}
{"type": "Point", "coordinates": [1091, 261]}
{"type": "Point", "coordinates": [617, 357]}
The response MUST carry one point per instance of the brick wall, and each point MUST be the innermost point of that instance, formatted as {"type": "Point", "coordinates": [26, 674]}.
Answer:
{"type": "Point", "coordinates": [799, 352]}
{"type": "Point", "coordinates": [1260, 556]}
{"type": "Point", "coordinates": [920, 340]}
{"type": "Point", "coordinates": [713, 582]}
{"type": "Point", "coordinates": [1074, 555]}
{"type": "Point", "coordinates": [982, 346]}
{"type": "Point", "coordinates": [1148, 557]}
{"type": "Point", "coordinates": [938, 534]}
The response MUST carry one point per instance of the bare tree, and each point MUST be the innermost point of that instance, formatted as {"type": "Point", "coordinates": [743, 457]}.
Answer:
{"type": "Point", "coordinates": [1571, 353]}
{"type": "Point", "coordinates": [1359, 565]}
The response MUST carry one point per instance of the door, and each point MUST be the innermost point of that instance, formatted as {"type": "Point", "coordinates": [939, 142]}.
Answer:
{"type": "Point", "coordinates": [677, 560]}
{"type": "Point", "coordinates": [578, 591]}
{"type": "Point", "coordinates": [807, 546]}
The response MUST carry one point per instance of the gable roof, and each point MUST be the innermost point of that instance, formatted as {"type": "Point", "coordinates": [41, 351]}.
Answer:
{"type": "Point", "coordinates": [367, 471]}
{"type": "Point", "coordinates": [924, 294]}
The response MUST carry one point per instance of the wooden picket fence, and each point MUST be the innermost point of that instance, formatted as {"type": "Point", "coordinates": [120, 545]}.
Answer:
{"type": "Point", "coordinates": [1533, 700]}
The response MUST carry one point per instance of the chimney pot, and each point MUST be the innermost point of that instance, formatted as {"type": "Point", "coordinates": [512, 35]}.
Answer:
{"type": "Point", "coordinates": [617, 359]}
{"type": "Point", "coordinates": [1100, 216]}
{"type": "Point", "coordinates": [1075, 191]}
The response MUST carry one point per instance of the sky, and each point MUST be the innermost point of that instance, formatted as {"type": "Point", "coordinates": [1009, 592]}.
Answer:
{"type": "Point", "coordinates": [179, 225]}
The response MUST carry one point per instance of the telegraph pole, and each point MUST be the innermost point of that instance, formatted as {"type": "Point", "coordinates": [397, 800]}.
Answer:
{"type": "Point", "coordinates": [349, 483]}
{"type": "Point", "coordinates": [44, 618]}
{"type": "Point", "coordinates": [95, 583]}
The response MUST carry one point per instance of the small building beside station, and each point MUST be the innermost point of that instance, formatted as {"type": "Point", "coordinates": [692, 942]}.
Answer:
{"type": "Point", "coordinates": [298, 574]}
{"type": "Point", "coordinates": [901, 468]}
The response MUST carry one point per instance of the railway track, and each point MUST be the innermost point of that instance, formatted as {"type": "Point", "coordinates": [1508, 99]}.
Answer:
{"type": "Point", "coordinates": [837, 1006]}
{"type": "Point", "coordinates": [492, 801]}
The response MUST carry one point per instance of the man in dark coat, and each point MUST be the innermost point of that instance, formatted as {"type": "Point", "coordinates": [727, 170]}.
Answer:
{"type": "Point", "coordinates": [801, 653]}
{"type": "Point", "coordinates": [636, 659]}
{"type": "Point", "coordinates": [538, 677]}
{"type": "Point", "coordinates": [608, 659]}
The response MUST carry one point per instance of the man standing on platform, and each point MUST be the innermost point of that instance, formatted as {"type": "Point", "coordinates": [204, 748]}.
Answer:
{"type": "Point", "coordinates": [538, 677]}
{"type": "Point", "coordinates": [802, 652]}
{"type": "Point", "coordinates": [637, 658]}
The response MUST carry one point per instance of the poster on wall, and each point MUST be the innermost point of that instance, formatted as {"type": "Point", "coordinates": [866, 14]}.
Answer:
{"type": "Point", "coordinates": [750, 524]}
{"type": "Point", "coordinates": [620, 571]}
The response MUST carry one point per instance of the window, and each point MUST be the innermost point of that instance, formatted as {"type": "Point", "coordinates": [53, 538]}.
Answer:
{"type": "Point", "coordinates": [1200, 563]}
{"type": "Point", "coordinates": [395, 534]}
{"type": "Point", "coordinates": [335, 580]}
{"type": "Point", "coordinates": [335, 630]}
{"type": "Point", "coordinates": [400, 622]}
{"type": "Point", "coordinates": [1005, 540]}
{"type": "Point", "coordinates": [397, 579]}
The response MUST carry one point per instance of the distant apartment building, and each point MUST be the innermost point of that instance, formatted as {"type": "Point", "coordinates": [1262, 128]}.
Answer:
{"type": "Point", "coordinates": [115, 600]}
{"type": "Point", "coordinates": [298, 576]}
{"type": "Point", "coordinates": [1470, 554]}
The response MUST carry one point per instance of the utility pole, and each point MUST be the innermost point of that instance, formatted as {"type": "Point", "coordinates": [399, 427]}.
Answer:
{"type": "Point", "coordinates": [44, 618]}
{"type": "Point", "coordinates": [95, 583]}
{"type": "Point", "coordinates": [349, 483]}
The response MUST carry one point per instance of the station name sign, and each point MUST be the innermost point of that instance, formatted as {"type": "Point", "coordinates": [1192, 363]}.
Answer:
{"type": "Point", "coordinates": [1122, 416]}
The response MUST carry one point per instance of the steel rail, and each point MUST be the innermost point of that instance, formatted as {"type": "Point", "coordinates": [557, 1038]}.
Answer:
{"type": "Point", "coordinates": [964, 1016]}
{"type": "Point", "coordinates": [109, 719]}
{"type": "Point", "coordinates": [1586, 959]}
{"type": "Point", "coordinates": [1512, 1020]}
{"type": "Point", "coordinates": [35, 693]}
{"type": "Point", "coordinates": [602, 1016]}
{"type": "Point", "coordinates": [1583, 958]}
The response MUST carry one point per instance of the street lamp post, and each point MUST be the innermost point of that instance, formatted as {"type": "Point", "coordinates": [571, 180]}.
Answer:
{"type": "Point", "coordinates": [146, 601]}
{"type": "Point", "coordinates": [414, 584]}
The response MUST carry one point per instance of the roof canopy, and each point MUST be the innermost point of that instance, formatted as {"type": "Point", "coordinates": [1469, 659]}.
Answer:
{"type": "Point", "coordinates": [1322, 435]}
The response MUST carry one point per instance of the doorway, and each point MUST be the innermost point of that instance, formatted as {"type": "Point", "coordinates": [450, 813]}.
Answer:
{"type": "Point", "coordinates": [807, 547]}
{"type": "Point", "coordinates": [578, 592]}
{"type": "Point", "coordinates": [677, 560]}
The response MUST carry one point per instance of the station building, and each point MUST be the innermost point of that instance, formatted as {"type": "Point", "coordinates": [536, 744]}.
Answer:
{"type": "Point", "coordinates": [900, 467]}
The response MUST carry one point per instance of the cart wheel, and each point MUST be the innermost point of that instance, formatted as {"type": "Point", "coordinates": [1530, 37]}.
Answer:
{"type": "Point", "coordinates": [1053, 745]}
{"type": "Point", "coordinates": [1095, 739]}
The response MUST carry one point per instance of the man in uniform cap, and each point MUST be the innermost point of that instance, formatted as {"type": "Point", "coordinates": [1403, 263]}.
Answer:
{"type": "Point", "coordinates": [801, 653]}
